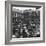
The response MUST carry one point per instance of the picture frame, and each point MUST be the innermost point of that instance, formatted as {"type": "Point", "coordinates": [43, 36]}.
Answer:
{"type": "Point", "coordinates": [8, 21]}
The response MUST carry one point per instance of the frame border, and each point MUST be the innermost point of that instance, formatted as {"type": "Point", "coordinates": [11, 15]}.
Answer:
{"type": "Point", "coordinates": [7, 38]}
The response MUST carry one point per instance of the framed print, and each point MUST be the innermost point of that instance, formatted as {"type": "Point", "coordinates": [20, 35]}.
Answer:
{"type": "Point", "coordinates": [24, 22]}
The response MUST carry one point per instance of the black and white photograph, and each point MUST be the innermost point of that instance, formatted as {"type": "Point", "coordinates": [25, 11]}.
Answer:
{"type": "Point", "coordinates": [25, 22]}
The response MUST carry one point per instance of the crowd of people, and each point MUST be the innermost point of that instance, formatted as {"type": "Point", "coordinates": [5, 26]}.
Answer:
{"type": "Point", "coordinates": [26, 24]}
